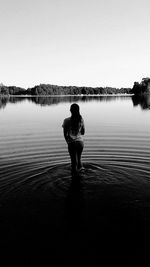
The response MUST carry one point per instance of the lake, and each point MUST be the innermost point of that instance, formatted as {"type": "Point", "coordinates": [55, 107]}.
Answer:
{"type": "Point", "coordinates": [35, 177]}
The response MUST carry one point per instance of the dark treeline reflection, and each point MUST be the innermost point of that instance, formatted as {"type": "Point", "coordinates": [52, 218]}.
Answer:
{"type": "Point", "coordinates": [43, 101]}
{"type": "Point", "coordinates": [142, 100]}
{"type": "Point", "coordinates": [4, 100]}
{"type": "Point", "coordinates": [46, 101]}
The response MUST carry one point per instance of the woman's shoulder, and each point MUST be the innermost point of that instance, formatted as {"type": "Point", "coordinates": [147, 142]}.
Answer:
{"type": "Point", "coordinates": [66, 121]}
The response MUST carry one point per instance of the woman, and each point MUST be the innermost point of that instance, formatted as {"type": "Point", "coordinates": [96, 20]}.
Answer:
{"type": "Point", "coordinates": [73, 131]}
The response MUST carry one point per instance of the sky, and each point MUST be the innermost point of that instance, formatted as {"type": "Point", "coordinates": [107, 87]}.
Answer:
{"type": "Point", "coordinates": [74, 42]}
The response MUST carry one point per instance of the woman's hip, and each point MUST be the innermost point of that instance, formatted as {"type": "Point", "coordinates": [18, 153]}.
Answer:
{"type": "Point", "coordinates": [76, 145]}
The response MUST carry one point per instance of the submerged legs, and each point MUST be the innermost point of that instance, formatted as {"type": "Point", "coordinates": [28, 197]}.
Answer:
{"type": "Point", "coordinates": [75, 150]}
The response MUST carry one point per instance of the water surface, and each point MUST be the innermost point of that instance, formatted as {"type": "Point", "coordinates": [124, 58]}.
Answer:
{"type": "Point", "coordinates": [35, 178]}
{"type": "Point", "coordinates": [117, 140]}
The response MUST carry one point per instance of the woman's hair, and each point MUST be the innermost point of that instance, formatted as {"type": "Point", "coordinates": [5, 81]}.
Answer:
{"type": "Point", "coordinates": [75, 117]}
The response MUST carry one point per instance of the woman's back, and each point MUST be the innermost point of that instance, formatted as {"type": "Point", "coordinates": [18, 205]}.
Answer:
{"type": "Point", "coordinates": [74, 129]}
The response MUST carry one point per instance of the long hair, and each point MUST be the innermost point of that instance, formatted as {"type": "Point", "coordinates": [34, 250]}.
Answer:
{"type": "Point", "coordinates": [75, 117]}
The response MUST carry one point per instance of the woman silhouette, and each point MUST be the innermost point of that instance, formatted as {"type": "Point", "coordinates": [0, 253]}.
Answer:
{"type": "Point", "coordinates": [73, 131]}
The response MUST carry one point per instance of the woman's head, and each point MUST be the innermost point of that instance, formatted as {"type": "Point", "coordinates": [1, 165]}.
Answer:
{"type": "Point", "coordinates": [74, 109]}
{"type": "Point", "coordinates": [75, 116]}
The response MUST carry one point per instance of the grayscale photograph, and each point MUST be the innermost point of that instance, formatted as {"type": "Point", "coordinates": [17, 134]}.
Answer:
{"type": "Point", "coordinates": [74, 132]}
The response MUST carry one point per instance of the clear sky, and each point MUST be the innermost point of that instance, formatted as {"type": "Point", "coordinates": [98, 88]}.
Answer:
{"type": "Point", "coordinates": [74, 42]}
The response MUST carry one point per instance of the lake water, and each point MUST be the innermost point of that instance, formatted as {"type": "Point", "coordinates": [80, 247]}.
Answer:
{"type": "Point", "coordinates": [117, 140]}
{"type": "Point", "coordinates": [34, 159]}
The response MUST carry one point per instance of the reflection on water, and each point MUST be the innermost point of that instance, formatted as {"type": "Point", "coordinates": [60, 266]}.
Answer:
{"type": "Point", "coordinates": [6, 99]}
{"type": "Point", "coordinates": [143, 101]}
{"type": "Point", "coordinates": [45, 101]}
{"type": "Point", "coordinates": [56, 100]}
{"type": "Point", "coordinates": [74, 204]}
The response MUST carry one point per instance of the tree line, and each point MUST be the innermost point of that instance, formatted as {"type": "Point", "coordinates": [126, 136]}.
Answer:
{"type": "Point", "coordinates": [48, 89]}
{"type": "Point", "coordinates": [142, 88]}
{"type": "Point", "coordinates": [12, 90]}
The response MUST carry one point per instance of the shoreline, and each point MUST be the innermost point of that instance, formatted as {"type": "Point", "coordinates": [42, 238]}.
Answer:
{"type": "Point", "coordinates": [98, 95]}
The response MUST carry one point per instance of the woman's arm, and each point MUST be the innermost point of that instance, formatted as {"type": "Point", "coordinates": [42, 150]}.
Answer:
{"type": "Point", "coordinates": [66, 134]}
{"type": "Point", "coordinates": [83, 128]}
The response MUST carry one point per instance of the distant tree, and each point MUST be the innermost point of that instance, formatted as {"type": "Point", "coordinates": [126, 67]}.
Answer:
{"type": "Point", "coordinates": [141, 88]}
{"type": "Point", "coordinates": [4, 90]}
{"type": "Point", "coordinates": [83, 91]}
{"type": "Point", "coordinates": [14, 90]}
